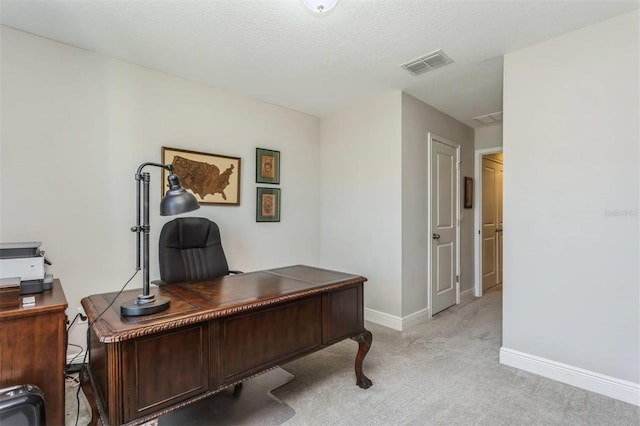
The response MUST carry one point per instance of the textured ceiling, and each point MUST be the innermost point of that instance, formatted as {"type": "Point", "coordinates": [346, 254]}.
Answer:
{"type": "Point", "coordinates": [278, 52]}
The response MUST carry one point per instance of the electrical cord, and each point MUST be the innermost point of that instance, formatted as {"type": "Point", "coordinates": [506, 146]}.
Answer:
{"type": "Point", "coordinates": [73, 322]}
{"type": "Point", "coordinates": [76, 355]}
{"type": "Point", "coordinates": [67, 364]}
{"type": "Point", "coordinates": [71, 344]}
{"type": "Point", "coordinates": [82, 371]}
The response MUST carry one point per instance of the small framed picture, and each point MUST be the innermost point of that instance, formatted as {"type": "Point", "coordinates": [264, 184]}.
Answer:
{"type": "Point", "coordinates": [468, 193]}
{"type": "Point", "coordinates": [267, 166]}
{"type": "Point", "coordinates": [268, 205]}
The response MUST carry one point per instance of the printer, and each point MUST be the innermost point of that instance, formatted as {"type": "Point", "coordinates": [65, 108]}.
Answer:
{"type": "Point", "coordinates": [27, 262]}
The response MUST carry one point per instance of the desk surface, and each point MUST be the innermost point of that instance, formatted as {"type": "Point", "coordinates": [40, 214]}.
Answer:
{"type": "Point", "coordinates": [197, 301]}
{"type": "Point", "coordinates": [48, 300]}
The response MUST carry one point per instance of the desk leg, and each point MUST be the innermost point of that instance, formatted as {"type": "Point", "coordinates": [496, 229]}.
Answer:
{"type": "Point", "coordinates": [364, 341]}
{"type": "Point", "coordinates": [87, 389]}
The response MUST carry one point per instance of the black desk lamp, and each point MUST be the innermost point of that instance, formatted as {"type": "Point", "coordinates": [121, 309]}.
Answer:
{"type": "Point", "coordinates": [175, 201]}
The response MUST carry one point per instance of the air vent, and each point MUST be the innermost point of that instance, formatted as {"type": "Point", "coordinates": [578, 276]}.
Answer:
{"type": "Point", "coordinates": [427, 62]}
{"type": "Point", "coordinates": [494, 117]}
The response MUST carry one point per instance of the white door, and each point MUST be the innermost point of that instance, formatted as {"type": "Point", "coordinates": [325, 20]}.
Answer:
{"type": "Point", "coordinates": [444, 198]}
{"type": "Point", "coordinates": [491, 222]}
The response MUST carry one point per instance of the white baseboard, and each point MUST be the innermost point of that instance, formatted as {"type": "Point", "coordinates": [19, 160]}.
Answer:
{"type": "Point", "coordinates": [467, 295]}
{"type": "Point", "coordinates": [605, 385]}
{"type": "Point", "coordinates": [382, 318]}
{"type": "Point", "coordinates": [415, 318]}
{"type": "Point", "coordinates": [395, 322]}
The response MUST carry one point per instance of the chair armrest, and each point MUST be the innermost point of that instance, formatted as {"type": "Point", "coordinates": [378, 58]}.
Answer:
{"type": "Point", "coordinates": [235, 272]}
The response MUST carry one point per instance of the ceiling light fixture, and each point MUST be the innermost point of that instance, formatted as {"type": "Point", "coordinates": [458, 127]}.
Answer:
{"type": "Point", "coordinates": [320, 6]}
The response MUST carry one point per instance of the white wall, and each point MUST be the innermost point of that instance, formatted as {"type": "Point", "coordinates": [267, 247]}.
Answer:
{"type": "Point", "coordinates": [374, 200]}
{"type": "Point", "coordinates": [489, 136]}
{"type": "Point", "coordinates": [571, 197]}
{"type": "Point", "coordinates": [418, 119]}
{"type": "Point", "coordinates": [361, 198]}
{"type": "Point", "coordinates": [76, 125]}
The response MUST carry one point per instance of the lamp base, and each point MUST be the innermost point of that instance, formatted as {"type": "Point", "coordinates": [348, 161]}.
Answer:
{"type": "Point", "coordinates": [144, 305]}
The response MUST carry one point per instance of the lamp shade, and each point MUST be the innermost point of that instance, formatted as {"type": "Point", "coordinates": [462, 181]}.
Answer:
{"type": "Point", "coordinates": [177, 200]}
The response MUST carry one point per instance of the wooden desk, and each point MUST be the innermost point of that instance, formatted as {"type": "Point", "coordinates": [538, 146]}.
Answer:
{"type": "Point", "coordinates": [33, 348]}
{"type": "Point", "coordinates": [215, 334]}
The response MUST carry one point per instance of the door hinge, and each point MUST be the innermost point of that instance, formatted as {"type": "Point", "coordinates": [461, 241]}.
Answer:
{"type": "Point", "coordinates": [457, 278]}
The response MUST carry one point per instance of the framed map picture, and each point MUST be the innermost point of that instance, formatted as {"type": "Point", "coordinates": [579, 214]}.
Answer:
{"type": "Point", "coordinates": [212, 178]}
{"type": "Point", "coordinates": [267, 166]}
{"type": "Point", "coordinates": [268, 205]}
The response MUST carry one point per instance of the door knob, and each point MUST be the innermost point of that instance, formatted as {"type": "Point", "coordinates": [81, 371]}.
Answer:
{"type": "Point", "coordinates": [436, 236]}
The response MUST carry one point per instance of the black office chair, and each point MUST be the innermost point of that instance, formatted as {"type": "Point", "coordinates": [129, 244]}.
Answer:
{"type": "Point", "coordinates": [190, 250]}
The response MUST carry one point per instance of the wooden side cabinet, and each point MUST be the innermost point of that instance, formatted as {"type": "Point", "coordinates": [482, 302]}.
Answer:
{"type": "Point", "coordinates": [33, 348]}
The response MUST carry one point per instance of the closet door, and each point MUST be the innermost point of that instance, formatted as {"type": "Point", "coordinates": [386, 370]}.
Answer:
{"type": "Point", "coordinates": [499, 175]}
{"type": "Point", "coordinates": [491, 222]}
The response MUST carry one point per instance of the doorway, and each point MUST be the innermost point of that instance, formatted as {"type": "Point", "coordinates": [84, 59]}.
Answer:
{"type": "Point", "coordinates": [489, 228]}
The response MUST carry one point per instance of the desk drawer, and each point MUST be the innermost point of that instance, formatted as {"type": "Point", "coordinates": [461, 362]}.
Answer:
{"type": "Point", "coordinates": [258, 340]}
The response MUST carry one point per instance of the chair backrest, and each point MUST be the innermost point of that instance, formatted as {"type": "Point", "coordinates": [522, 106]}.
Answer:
{"type": "Point", "coordinates": [191, 249]}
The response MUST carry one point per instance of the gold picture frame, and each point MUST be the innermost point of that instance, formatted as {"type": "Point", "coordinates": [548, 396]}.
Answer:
{"type": "Point", "coordinates": [212, 178]}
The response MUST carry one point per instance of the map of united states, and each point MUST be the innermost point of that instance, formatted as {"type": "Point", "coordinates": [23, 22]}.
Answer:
{"type": "Point", "coordinates": [200, 177]}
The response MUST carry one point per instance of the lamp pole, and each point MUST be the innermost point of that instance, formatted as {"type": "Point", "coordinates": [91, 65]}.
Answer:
{"type": "Point", "coordinates": [176, 201]}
